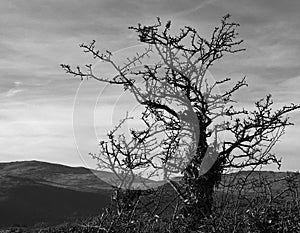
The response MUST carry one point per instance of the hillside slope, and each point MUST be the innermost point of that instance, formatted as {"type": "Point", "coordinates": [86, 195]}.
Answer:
{"type": "Point", "coordinates": [33, 192]}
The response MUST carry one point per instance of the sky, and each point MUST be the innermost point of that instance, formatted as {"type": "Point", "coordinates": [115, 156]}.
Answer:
{"type": "Point", "coordinates": [47, 115]}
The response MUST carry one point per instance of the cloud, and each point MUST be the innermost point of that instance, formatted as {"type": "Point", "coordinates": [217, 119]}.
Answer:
{"type": "Point", "coordinates": [13, 92]}
{"type": "Point", "coordinates": [36, 36]}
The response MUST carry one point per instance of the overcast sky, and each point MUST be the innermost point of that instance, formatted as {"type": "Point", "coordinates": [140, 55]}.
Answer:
{"type": "Point", "coordinates": [38, 109]}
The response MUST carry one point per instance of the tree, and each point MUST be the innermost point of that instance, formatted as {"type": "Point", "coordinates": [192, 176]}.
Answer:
{"type": "Point", "coordinates": [184, 115]}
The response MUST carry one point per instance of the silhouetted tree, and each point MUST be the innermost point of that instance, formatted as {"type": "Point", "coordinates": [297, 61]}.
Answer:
{"type": "Point", "coordinates": [185, 114]}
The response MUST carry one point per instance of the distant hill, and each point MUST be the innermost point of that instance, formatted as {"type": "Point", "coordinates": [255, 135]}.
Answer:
{"type": "Point", "coordinates": [276, 180]}
{"type": "Point", "coordinates": [33, 192]}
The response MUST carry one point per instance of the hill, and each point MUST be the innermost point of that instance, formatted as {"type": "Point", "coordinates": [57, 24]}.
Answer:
{"type": "Point", "coordinates": [33, 192]}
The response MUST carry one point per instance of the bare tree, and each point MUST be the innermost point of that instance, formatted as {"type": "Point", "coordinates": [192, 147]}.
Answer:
{"type": "Point", "coordinates": [184, 114]}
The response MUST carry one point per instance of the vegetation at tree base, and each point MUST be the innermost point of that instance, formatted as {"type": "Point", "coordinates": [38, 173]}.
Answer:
{"type": "Point", "coordinates": [184, 140]}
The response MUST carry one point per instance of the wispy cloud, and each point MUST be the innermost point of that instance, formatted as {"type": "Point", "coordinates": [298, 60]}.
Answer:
{"type": "Point", "coordinates": [13, 91]}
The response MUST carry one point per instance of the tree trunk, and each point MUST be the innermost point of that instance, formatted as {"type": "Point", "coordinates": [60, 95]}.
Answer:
{"type": "Point", "coordinates": [198, 185]}
{"type": "Point", "coordinates": [199, 193]}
